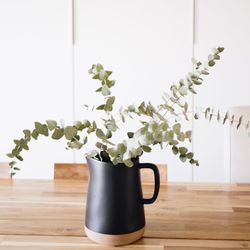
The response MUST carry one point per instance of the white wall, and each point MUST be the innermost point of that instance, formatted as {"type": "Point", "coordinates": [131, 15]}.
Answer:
{"type": "Point", "coordinates": [35, 66]}
{"type": "Point", "coordinates": [148, 44]}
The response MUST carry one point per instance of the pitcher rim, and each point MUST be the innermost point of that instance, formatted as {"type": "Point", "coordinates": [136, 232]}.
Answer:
{"type": "Point", "coordinates": [110, 163]}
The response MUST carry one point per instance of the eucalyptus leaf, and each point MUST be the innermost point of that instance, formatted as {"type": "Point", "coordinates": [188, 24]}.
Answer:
{"type": "Point", "coordinates": [78, 125]}
{"type": "Point", "coordinates": [173, 142]}
{"type": "Point", "coordinates": [204, 72]}
{"type": "Point", "coordinates": [215, 51]}
{"type": "Point", "coordinates": [175, 150]}
{"type": "Point", "coordinates": [239, 123]}
{"type": "Point", "coordinates": [196, 82]}
{"type": "Point", "coordinates": [105, 90]}
{"type": "Point", "coordinates": [100, 134]}
{"type": "Point", "coordinates": [218, 116]}
{"type": "Point", "coordinates": [220, 49]}
{"type": "Point", "coordinates": [109, 134]}
{"type": "Point", "coordinates": [99, 89]}
{"type": "Point", "coordinates": [17, 142]}
{"type": "Point", "coordinates": [121, 148]}
{"type": "Point", "coordinates": [211, 63]}
{"type": "Point", "coordinates": [170, 135]}
{"type": "Point", "coordinates": [188, 134]}
{"type": "Point", "coordinates": [181, 137]}
{"type": "Point", "coordinates": [232, 120]}
{"type": "Point", "coordinates": [183, 90]}
{"type": "Point", "coordinates": [12, 163]}
{"type": "Point", "coordinates": [196, 116]}
{"type": "Point", "coordinates": [38, 125]}
{"type": "Point", "coordinates": [177, 128]}
{"type": "Point", "coordinates": [146, 148]}
{"type": "Point", "coordinates": [128, 163]}
{"type": "Point", "coordinates": [130, 134]}
{"type": "Point", "coordinates": [92, 153]}
{"type": "Point", "coordinates": [94, 126]}
{"type": "Point", "coordinates": [85, 140]}
{"type": "Point", "coordinates": [211, 57]}
{"type": "Point", "coordinates": [216, 57]}
{"type": "Point", "coordinates": [185, 107]}
{"type": "Point", "coordinates": [102, 74]}
{"type": "Point", "coordinates": [27, 133]}
{"type": "Point", "coordinates": [192, 90]}
{"type": "Point", "coordinates": [101, 107]}
{"type": "Point", "coordinates": [183, 150]}
{"type": "Point", "coordinates": [86, 123]}
{"type": "Point", "coordinates": [98, 67]}
{"type": "Point", "coordinates": [207, 111]}
{"type": "Point", "coordinates": [70, 132]}
{"type": "Point", "coordinates": [185, 115]}
{"type": "Point", "coordinates": [34, 134]}
{"type": "Point", "coordinates": [51, 124]}
{"type": "Point", "coordinates": [211, 115]}
{"type": "Point", "coordinates": [58, 134]}
{"type": "Point", "coordinates": [158, 136]}
{"type": "Point", "coordinates": [41, 129]}
{"type": "Point", "coordinates": [111, 83]}
{"type": "Point", "coordinates": [75, 144]}
{"type": "Point", "coordinates": [164, 126]}
{"type": "Point", "coordinates": [225, 118]}
{"type": "Point", "coordinates": [109, 104]}
{"type": "Point", "coordinates": [19, 157]}
{"type": "Point", "coordinates": [101, 146]}
{"type": "Point", "coordinates": [183, 158]}
{"type": "Point", "coordinates": [190, 155]}
{"type": "Point", "coordinates": [10, 155]}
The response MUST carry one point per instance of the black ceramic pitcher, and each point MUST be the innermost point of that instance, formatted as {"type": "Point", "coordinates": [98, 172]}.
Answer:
{"type": "Point", "coordinates": [115, 212]}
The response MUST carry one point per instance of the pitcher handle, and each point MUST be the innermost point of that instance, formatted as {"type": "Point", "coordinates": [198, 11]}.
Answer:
{"type": "Point", "coordinates": [156, 180]}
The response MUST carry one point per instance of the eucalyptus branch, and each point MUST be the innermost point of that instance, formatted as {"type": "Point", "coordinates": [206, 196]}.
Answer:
{"type": "Point", "coordinates": [57, 132]}
{"type": "Point", "coordinates": [156, 129]}
{"type": "Point", "coordinates": [194, 78]}
{"type": "Point", "coordinates": [209, 114]}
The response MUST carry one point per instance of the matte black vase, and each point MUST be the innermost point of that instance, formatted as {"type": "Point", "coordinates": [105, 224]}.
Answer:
{"type": "Point", "coordinates": [115, 211]}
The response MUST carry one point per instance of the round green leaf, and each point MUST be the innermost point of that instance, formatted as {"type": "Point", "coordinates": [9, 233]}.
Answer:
{"type": "Point", "coordinates": [58, 134]}
{"type": "Point", "coordinates": [70, 132]}
{"type": "Point", "coordinates": [51, 124]}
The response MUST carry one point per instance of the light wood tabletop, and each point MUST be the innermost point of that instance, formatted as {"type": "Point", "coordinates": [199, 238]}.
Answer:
{"type": "Point", "coordinates": [49, 214]}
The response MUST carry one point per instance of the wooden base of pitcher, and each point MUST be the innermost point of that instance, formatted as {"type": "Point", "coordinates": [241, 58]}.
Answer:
{"type": "Point", "coordinates": [115, 239]}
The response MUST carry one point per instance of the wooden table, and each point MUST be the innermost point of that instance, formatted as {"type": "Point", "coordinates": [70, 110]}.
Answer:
{"type": "Point", "coordinates": [50, 215]}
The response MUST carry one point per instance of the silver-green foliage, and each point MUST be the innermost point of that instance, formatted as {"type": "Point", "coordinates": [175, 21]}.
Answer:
{"type": "Point", "coordinates": [159, 125]}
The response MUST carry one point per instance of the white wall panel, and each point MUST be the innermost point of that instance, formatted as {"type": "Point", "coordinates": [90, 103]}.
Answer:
{"type": "Point", "coordinates": [220, 23]}
{"type": "Point", "coordinates": [148, 45]}
{"type": "Point", "coordinates": [239, 148]}
{"type": "Point", "coordinates": [35, 78]}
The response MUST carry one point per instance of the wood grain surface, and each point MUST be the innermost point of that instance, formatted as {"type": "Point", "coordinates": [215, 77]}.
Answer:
{"type": "Point", "coordinates": [49, 214]}
{"type": "Point", "coordinates": [80, 171]}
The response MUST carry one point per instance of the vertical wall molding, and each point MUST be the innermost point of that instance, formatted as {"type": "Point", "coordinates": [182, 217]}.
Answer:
{"type": "Point", "coordinates": [193, 23]}
{"type": "Point", "coordinates": [73, 57]}
{"type": "Point", "coordinates": [193, 55]}
{"type": "Point", "coordinates": [229, 166]}
{"type": "Point", "coordinates": [73, 20]}
{"type": "Point", "coordinates": [73, 65]}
